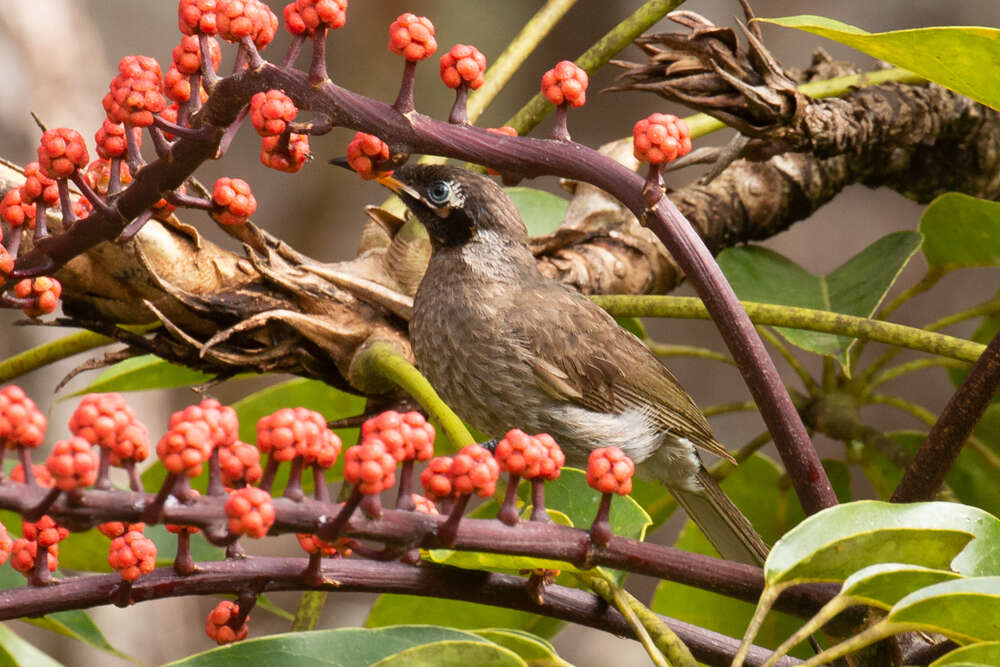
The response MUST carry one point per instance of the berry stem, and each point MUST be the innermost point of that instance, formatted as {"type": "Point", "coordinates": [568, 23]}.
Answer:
{"type": "Point", "coordinates": [36, 512]}
{"type": "Point", "coordinates": [40, 575]}
{"type": "Point", "coordinates": [160, 143]}
{"type": "Point", "coordinates": [215, 486]}
{"type": "Point", "coordinates": [152, 511]}
{"type": "Point", "coordinates": [208, 74]}
{"type": "Point", "coordinates": [448, 531]}
{"type": "Point", "coordinates": [538, 512]}
{"type": "Point", "coordinates": [317, 67]}
{"type": "Point", "coordinates": [14, 244]}
{"type": "Point", "coordinates": [194, 101]}
{"type": "Point", "coordinates": [459, 115]}
{"type": "Point", "coordinates": [245, 603]}
{"type": "Point", "coordinates": [404, 101]}
{"type": "Point", "coordinates": [183, 563]}
{"type": "Point", "coordinates": [135, 160]}
{"type": "Point", "coordinates": [270, 470]}
{"type": "Point", "coordinates": [132, 228]}
{"type": "Point", "coordinates": [230, 133]}
{"type": "Point", "coordinates": [331, 531]}
{"type": "Point", "coordinates": [313, 575]}
{"type": "Point", "coordinates": [193, 133]}
{"type": "Point", "coordinates": [115, 176]}
{"type": "Point", "coordinates": [134, 481]}
{"type": "Point", "coordinates": [293, 489]}
{"type": "Point", "coordinates": [320, 489]}
{"type": "Point", "coordinates": [235, 551]}
{"type": "Point", "coordinates": [103, 483]}
{"type": "Point", "coordinates": [253, 57]}
{"type": "Point", "coordinates": [508, 510]}
{"type": "Point", "coordinates": [319, 126]}
{"type": "Point", "coordinates": [560, 132]}
{"type": "Point", "coordinates": [95, 199]}
{"type": "Point", "coordinates": [600, 530]}
{"type": "Point", "coordinates": [371, 506]}
{"type": "Point", "coordinates": [121, 596]}
{"type": "Point", "coordinates": [24, 454]}
{"type": "Point", "coordinates": [652, 191]}
{"type": "Point", "coordinates": [41, 221]}
{"type": "Point", "coordinates": [188, 201]}
{"type": "Point", "coordinates": [293, 51]}
{"type": "Point", "coordinates": [68, 216]}
{"type": "Point", "coordinates": [404, 501]}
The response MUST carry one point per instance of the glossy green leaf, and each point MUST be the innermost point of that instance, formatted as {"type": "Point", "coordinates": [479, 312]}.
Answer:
{"type": "Point", "coordinates": [960, 232]}
{"type": "Point", "coordinates": [16, 652]}
{"type": "Point", "coordinates": [885, 584]}
{"type": "Point", "coordinates": [982, 653]}
{"type": "Point", "coordinates": [345, 647]}
{"type": "Point", "coordinates": [77, 624]}
{"type": "Point", "coordinates": [392, 610]}
{"type": "Point", "coordinates": [856, 287]}
{"type": "Point", "coordinates": [533, 649]}
{"type": "Point", "coordinates": [454, 652]}
{"type": "Point", "coordinates": [964, 609]}
{"type": "Point", "coordinates": [541, 211]}
{"type": "Point", "coordinates": [833, 543]}
{"type": "Point", "coordinates": [962, 58]}
{"type": "Point", "coordinates": [142, 373]}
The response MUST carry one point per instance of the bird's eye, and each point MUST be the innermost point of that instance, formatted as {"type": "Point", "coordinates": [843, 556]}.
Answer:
{"type": "Point", "coordinates": [439, 192]}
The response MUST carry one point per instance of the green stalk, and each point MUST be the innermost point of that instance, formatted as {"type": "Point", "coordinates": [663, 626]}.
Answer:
{"type": "Point", "coordinates": [725, 408]}
{"type": "Point", "coordinates": [798, 318]}
{"type": "Point", "coordinates": [307, 615]}
{"type": "Point", "coordinates": [790, 359]}
{"type": "Point", "coordinates": [663, 350]}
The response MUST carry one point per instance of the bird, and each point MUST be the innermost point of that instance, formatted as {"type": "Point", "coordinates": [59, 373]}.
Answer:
{"type": "Point", "coordinates": [507, 347]}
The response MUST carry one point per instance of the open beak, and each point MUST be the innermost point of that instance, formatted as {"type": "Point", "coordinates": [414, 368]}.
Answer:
{"type": "Point", "coordinates": [398, 186]}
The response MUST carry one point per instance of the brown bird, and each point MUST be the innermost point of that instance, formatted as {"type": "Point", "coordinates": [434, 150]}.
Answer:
{"type": "Point", "coordinates": [507, 347]}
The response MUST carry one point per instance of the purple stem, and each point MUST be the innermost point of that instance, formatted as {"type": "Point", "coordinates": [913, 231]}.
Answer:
{"type": "Point", "coordinates": [100, 206]}
{"type": "Point", "coordinates": [320, 490]}
{"type": "Point", "coordinates": [38, 511]}
{"type": "Point", "coordinates": [188, 201]}
{"type": "Point", "coordinates": [64, 203]}
{"type": "Point", "coordinates": [404, 500]}
{"type": "Point", "coordinates": [245, 602]}
{"type": "Point", "coordinates": [193, 102]}
{"type": "Point", "coordinates": [132, 228]}
{"type": "Point", "coordinates": [313, 575]}
{"type": "Point", "coordinates": [135, 160]}
{"type": "Point", "coordinates": [458, 114]}
{"type": "Point", "coordinates": [234, 551]}
{"type": "Point", "coordinates": [600, 530]}
{"type": "Point", "coordinates": [152, 512]}
{"type": "Point", "coordinates": [40, 574]}
{"type": "Point", "coordinates": [230, 133]}
{"type": "Point", "coordinates": [331, 531]}
{"type": "Point", "coordinates": [183, 563]}
{"type": "Point", "coordinates": [192, 133]}
{"type": "Point", "coordinates": [41, 221]}
{"type": "Point", "coordinates": [293, 51]}
{"type": "Point", "coordinates": [103, 483]}
{"type": "Point", "coordinates": [538, 512]}
{"type": "Point", "coordinates": [560, 131]}
{"type": "Point", "coordinates": [371, 506]}
{"type": "Point", "coordinates": [270, 470]}
{"type": "Point", "coordinates": [160, 143]}
{"type": "Point", "coordinates": [115, 174]}
{"type": "Point", "coordinates": [14, 244]}
{"type": "Point", "coordinates": [208, 74]}
{"type": "Point", "coordinates": [448, 531]}
{"type": "Point", "coordinates": [293, 489]}
{"type": "Point", "coordinates": [317, 67]}
{"type": "Point", "coordinates": [252, 56]}
{"type": "Point", "coordinates": [215, 485]}
{"type": "Point", "coordinates": [24, 454]}
{"type": "Point", "coordinates": [508, 510]}
{"type": "Point", "coordinates": [134, 481]}
{"type": "Point", "coordinates": [404, 100]}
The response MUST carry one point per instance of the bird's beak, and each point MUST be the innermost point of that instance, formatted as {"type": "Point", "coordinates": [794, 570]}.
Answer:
{"type": "Point", "coordinates": [398, 186]}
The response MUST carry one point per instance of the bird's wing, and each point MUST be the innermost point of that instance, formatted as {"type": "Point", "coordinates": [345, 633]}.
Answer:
{"type": "Point", "coordinates": [580, 355]}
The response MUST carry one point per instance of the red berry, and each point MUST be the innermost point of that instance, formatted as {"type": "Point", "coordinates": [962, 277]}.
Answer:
{"type": "Point", "coordinates": [422, 504]}
{"type": "Point", "coordinates": [609, 470]}
{"type": "Point", "coordinates": [187, 54]}
{"type": "Point", "coordinates": [474, 470]}
{"type": "Point", "coordinates": [43, 477]}
{"type": "Point", "coordinates": [98, 174]}
{"type": "Point", "coordinates": [177, 86]}
{"type": "Point", "coordinates": [532, 457]}
{"type": "Point", "coordinates": [366, 154]}
{"type": "Point", "coordinates": [660, 138]}
{"type": "Point", "coordinates": [61, 152]}
{"type": "Point", "coordinates": [250, 512]}
{"type": "Point", "coordinates": [292, 432]}
{"type": "Point", "coordinates": [38, 186]}
{"type": "Point", "coordinates": [113, 529]}
{"type": "Point", "coordinates": [6, 263]}
{"type": "Point", "coordinates": [463, 64]}
{"type": "Point", "coordinates": [45, 531]}
{"type": "Point", "coordinates": [565, 84]}
{"type": "Point", "coordinates": [81, 207]}
{"type": "Point", "coordinates": [307, 15]}
{"type": "Point", "coordinates": [370, 466]}
{"type": "Point", "coordinates": [407, 436]}
{"type": "Point", "coordinates": [22, 424]}
{"type": "Point", "coordinates": [23, 553]}
{"type": "Point", "coordinates": [271, 111]}
{"type": "Point", "coordinates": [15, 210]}
{"type": "Point", "coordinates": [132, 555]}
{"type": "Point", "coordinates": [435, 479]}
{"type": "Point", "coordinates": [217, 626]}
{"type": "Point", "coordinates": [312, 544]}
{"type": "Point", "coordinates": [234, 196]}
{"type": "Point", "coordinates": [239, 464]}
{"type": "Point", "coordinates": [44, 293]}
{"type": "Point", "coordinates": [185, 448]}
{"type": "Point", "coordinates": [221, 421]}
{"type": "Point", "coordinates": [73, 464]}
{"type": "Point", "coordinates": [110, 139]}
{"type": "Point", "coordinates": [412, 37]}
{"type": "Point", "coordinates": [237, 19]}
{"type": "Point", "coordinates": [194, 16]}
{"type": "Point", "coordinates": [6, 544]}
{"type": "Point", "coordinates": [108, 420]}
{"type": "Point", "coordinates": [291, 160]}
{"type": "Point", "coordinates": [322, 452]}
{"type": "Point", "coordinates": [136, 93]}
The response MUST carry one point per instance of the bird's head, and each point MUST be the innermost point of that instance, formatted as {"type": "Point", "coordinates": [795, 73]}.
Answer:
{"type": "Point", "coordinates": [456, 204]}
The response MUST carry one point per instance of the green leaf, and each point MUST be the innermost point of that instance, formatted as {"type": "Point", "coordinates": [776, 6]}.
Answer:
{"type": "Point", "coordinates": [833, 543]}
{"type": "Point", "coordinates": [961, 58]}
{"type": "Point", "coordinates": [392, 610]}
{"type": "Point", "coordinates": [78, 625]}
{"type": "Point", "coordinates": [454, 652]}
{"type": "Point", "coordinates": [983, 653]}
{"type": "Point", "coordinates": [17, 651]}
{"type": "Point", "coordinates": [856, 287]}
{"type": "Point", "coordinates": [347, 647]}
{"type": "Point", "coordinates": [960, 232]}
{"type": "Point", "coordinates": [633, 325]}
{"type": "Point", "coordinates": [541, 211]}
{"type": "Point", "coordinates": [964, 609]}
{"type": "Point", "coordinates": [142, 373]}
{"type": "Point", "coordinates": [885, 584]}
{"type": "Point", "coordinates": [533, 649]}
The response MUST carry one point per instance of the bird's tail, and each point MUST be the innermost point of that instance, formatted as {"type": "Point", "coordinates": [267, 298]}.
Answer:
{"type": "Point", "coordinates": [725, 526]}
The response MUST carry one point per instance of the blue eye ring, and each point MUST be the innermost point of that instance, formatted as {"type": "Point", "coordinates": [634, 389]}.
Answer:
{"type": "Point", "coordinates": [439, 192]}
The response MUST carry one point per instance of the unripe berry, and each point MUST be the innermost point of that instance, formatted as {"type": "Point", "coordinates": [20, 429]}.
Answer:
{"type": "Point", "coordinates": [407, 436]}
{"type": "Point", "coordinates": [250, 512]}
{"type": "Point", "coordinates": [435, 480]}
{"type": "Point", "coordinates": [609, 470]}
{"type": "Point", "coordinates": [132, 555]}
{"type": "Point", "coordinates": [177, 86]}
{"type": "Point", "coordinates": [660, 138]}
{"type": "Point", "coordinates": [108, 420]}
{"type": "Point", "coordinates": [412, 37]}
{"type": "Point", "coordinates": [217, 628]}
{"type": "Point", "coordinates": [245, 18]}
{"type": "Point", "coordinates": [367, 154]}
{"type": "Point", "coordinates": [474, 470]}
{"type": "Point", "coordinates": [464, 63]}
{"type": "Point", "coordinates": [234, 197]}
{"type": "Point", "coordinates": [73, 464]}
{"type": "Point", "coordinates": [290, 432]}
{"type": "Point", "coordinates": [61, 152]}
{"type": "Point", "coordinates": [44, 293]}
{"type": "Point", "coordinates": [370, 466]}
{"type": "Point", "coordinates": [271, 111]}
{"type": "Point", "coordinates": [98, 174]}
{"type": "Point", "coordinates": [565, 84]}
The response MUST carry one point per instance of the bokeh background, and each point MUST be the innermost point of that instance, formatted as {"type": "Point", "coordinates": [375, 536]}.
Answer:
{"type": "Point", "coordinates": [57, 57]}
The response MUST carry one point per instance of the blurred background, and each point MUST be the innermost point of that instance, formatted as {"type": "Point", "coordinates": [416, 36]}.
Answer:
{"type": "Point", "coordinates": [58, 56]}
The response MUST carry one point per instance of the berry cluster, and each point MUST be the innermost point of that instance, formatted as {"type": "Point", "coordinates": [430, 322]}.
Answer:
{"type": "Point", "coordinates": [237, 19]}
{"type": "Point", "coordinates": [42, 295]}
{"type": "Point", "coordinates": [406, 436]}
{"type": "Point", "coordinates": [531, 457]}
{"type": "Point", "coordinates": [474, 470]}
{"type": "Point", "coordinates": [465, 65]}
{"type": "Point", "coordinates": [565, 84]}
{"type": "Point", "coordinates": [270, 112]}
{"type": "Point", "coordinates": [292, 432]}
{"type": "Point", "coordinates": [219, 626]}
{"type": "Point", "coordinates": [22, 424]}
{"type": "Point", "coordinates": [132, 555]}
{"type": "Point", "coordinates": [185, 447]}
{"type": "Point", "coordinates": [108, 420]}
{"type": "Point", "coordinates": [660, 138]}
{"type": "Point", "coordinates": [304, 16]}
{"type": "Point", "coordinates": [239, 464]}
{"type": "Point", "coordinates": [609, 470]}
{"type": "Point", "coordinates": [234, 201]}
{"type": "Point", "coordinates": [136, 93]}
{"type": "Point", "coordinates": [111, 141]}
{"type": "Point", "coordinates": [72, 464]}
{"type": "Point", "coordinates": [371, 466]}
{"type": "Point", "coordinates": [367, 155]}
{"type": "Point", "coordinates": [61, 152]}
{"type": "Point", "coordinates": [250, 512]}
{"type": "Point", "coordinates": [412, 37]}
